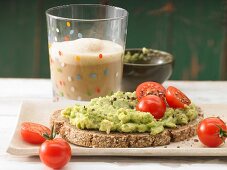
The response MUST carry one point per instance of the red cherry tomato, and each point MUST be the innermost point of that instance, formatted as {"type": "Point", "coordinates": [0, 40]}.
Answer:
{"type": "Point", "coordinates": [153, 104]}
{"type": "Point", "coordinates": [175, 98]}
{"type": "Point", "coordinates": [150, 88]}
{"type": "Point", "coordinates": [33, 132]}
{"type": "Point", "coordinates": [212, 131]}
{"type": "Point", "coordinates": [55, 153]}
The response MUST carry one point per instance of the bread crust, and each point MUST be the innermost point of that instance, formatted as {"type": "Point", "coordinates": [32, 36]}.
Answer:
{"type": "Point", "coordinates": [97, 139]}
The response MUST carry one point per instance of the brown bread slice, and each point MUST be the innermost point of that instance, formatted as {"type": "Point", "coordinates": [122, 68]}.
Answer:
{"type": "Point", "coordinates": [94, 138]}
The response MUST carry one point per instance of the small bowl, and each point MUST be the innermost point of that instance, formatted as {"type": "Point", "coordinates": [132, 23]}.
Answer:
{"type": "Point", "coordinates": [159, 68]}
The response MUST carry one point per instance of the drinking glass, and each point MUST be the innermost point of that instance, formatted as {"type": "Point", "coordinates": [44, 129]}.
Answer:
{"type": "Point", "coordinates": [86, 45]}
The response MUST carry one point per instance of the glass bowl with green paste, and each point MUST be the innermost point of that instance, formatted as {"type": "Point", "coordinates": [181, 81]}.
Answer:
{"type": "Point", "coordinates": [145, 64]}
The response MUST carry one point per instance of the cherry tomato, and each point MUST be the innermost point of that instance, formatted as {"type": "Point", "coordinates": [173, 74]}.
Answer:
{"type": "Point", "coordinates": [212, 131]}
{"type": "Point", "coordinates": [33, 132]}
{"type": "Point", "coordinates": [153, 104]}
{"type": "Point", "coordinates": [150, 88]}
{"type": "Point", "coordinates": [55, 153]}
{"type": "Point", "coordinates": [175, 98]}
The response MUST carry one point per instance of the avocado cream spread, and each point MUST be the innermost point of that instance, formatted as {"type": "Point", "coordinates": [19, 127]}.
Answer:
{"type": "Point", "coordinates": [117, 113]}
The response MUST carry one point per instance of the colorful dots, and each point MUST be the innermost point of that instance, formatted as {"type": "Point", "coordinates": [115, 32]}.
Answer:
{"type": "Point", "coordinates": [79, 35]}
{"type": "Point", "coordinates": [60, 53]}
{"type": "Point", "coordinates": [100, 56]}
{"type": "Point", "coordinates": [68, 24]}
{"type": "Point", "coordinates": [89, 93]}
{"type": "Point", "coordinates": [93, 75]}
{"type": "Point", "coordinates": [111, 93]}
{"type": "Point", "coordinates": [106, 71]}
{"type": "Point", "coordinates": [98, 90]}
{"type": "Point", "coordinates": [62, 64]}
{"type": "Point", "coordinates": [49, 38]}
{"type": "Point", "coordinates": [69, 78]}
{"type": "Point", "coordinates": [66, 38]}
{"type": "Point", "coordinates": [57, 59]}
{"type": "Point", "coordinates": [49, 45]}
{"type": "Point", "coordinates": [78, 77]}
{"type": "Point", "coordinates": [51, 61]}
{"type": "Point", "coordinates": [56, 99]}
{"type": "Point", "coordinates": [57, 30]}
{"type": "Point", "coordinates": [62, 94]}
{"type": "Point", "coordinates": [61, 82]}
{"type": "Point", "coordinates": [71, 32]}
{"type": "Point", "coordinates": [72, 89]}
{"type": "Point", "coordinates": [77, 58]}
{"type": "Point", "coordinates": [59, 70]}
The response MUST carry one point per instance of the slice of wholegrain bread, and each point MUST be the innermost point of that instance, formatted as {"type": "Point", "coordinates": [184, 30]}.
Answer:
{"type": "Point", "coordinates": [94, 138]}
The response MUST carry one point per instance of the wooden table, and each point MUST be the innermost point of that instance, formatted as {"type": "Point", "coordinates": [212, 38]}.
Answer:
{"type": "Point", "coordinates": [14, 91]}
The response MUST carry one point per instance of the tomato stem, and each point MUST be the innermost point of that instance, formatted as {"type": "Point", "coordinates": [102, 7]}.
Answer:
{"type": "Point", "coordinates": [52, 134]}
{"type": "Point", "coordinates": [222, 133]}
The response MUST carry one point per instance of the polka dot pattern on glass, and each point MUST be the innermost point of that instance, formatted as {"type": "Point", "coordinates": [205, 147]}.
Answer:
{"type": "Point", "coordinates": [93, 75]}
{"type": "Point", "coordinates": [100, 56]}
{"type": "Point", "coordinates": [66, 38]}
{"type": "Point", "coordinates": [51, 61]}
{"type": "Point", "coordinates": [62, 64]}
{"type": "Point", "coordinates": [61, 82]}
{"type": "Point", "coordinates": [49, 38]}
{"type": "Point", "coordinates": [89, 93]}
{"type": "Point", "coordinates": [98, 90]}
{"type": "Point", "coordinates": [78, 77]}
{"type": "Point", "coordinates": [62, 94]}
{"type": "Point", "coordinates": [80, 35]}
{"type": "Point", "coordinates": [60, 53]}
{"type": "Point", "coordinates": [106, 71]}
{"type": "Point", "coordinates": [59, 70]}
{"type": "Point", "coordinates": [68, 24]}
{"type": "Point", "coordinates": [77, 58]}
{"type": "Point", "coordinates": [69, 78]}
{"type": "Point", "coordinates": [71, 32]}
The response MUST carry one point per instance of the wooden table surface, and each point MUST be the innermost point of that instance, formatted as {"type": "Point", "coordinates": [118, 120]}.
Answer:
{"type": "Point", "coordinates": [14, 91]}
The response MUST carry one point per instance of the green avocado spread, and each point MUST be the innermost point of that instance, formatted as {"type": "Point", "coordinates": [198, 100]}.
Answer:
{"type": "Point", "coordinates": [117, 113]}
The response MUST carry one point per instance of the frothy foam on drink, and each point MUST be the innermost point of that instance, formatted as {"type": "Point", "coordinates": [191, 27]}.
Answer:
{"type": "Point", "coordinates": [86, 51]}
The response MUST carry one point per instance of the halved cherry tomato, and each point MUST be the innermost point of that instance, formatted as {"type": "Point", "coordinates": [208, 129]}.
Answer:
{"type": "Point", "coordinates": [55, 153]}
{"type": "Point", "coordinates": [212, 131]}
{"type": "Point", "coordinates": [33, 132]}
{"type": "Point", "coordinates": [175, 98]}
{"type": "Point", "coordinates": [150, 88]}
{"type": "Point", "coordinates": [153, 104]}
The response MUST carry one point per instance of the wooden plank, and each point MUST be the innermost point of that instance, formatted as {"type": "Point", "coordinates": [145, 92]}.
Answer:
{"type": "Point", "coordinates": [223, 62]}
{"type": "Point", "coordinates": [17, 32]}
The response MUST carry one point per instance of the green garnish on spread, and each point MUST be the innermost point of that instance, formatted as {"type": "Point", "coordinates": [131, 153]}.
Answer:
{"type": "Point", "coordinates": [117, 113]}
{"type": "Point", "coordinates": [140, 57]}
